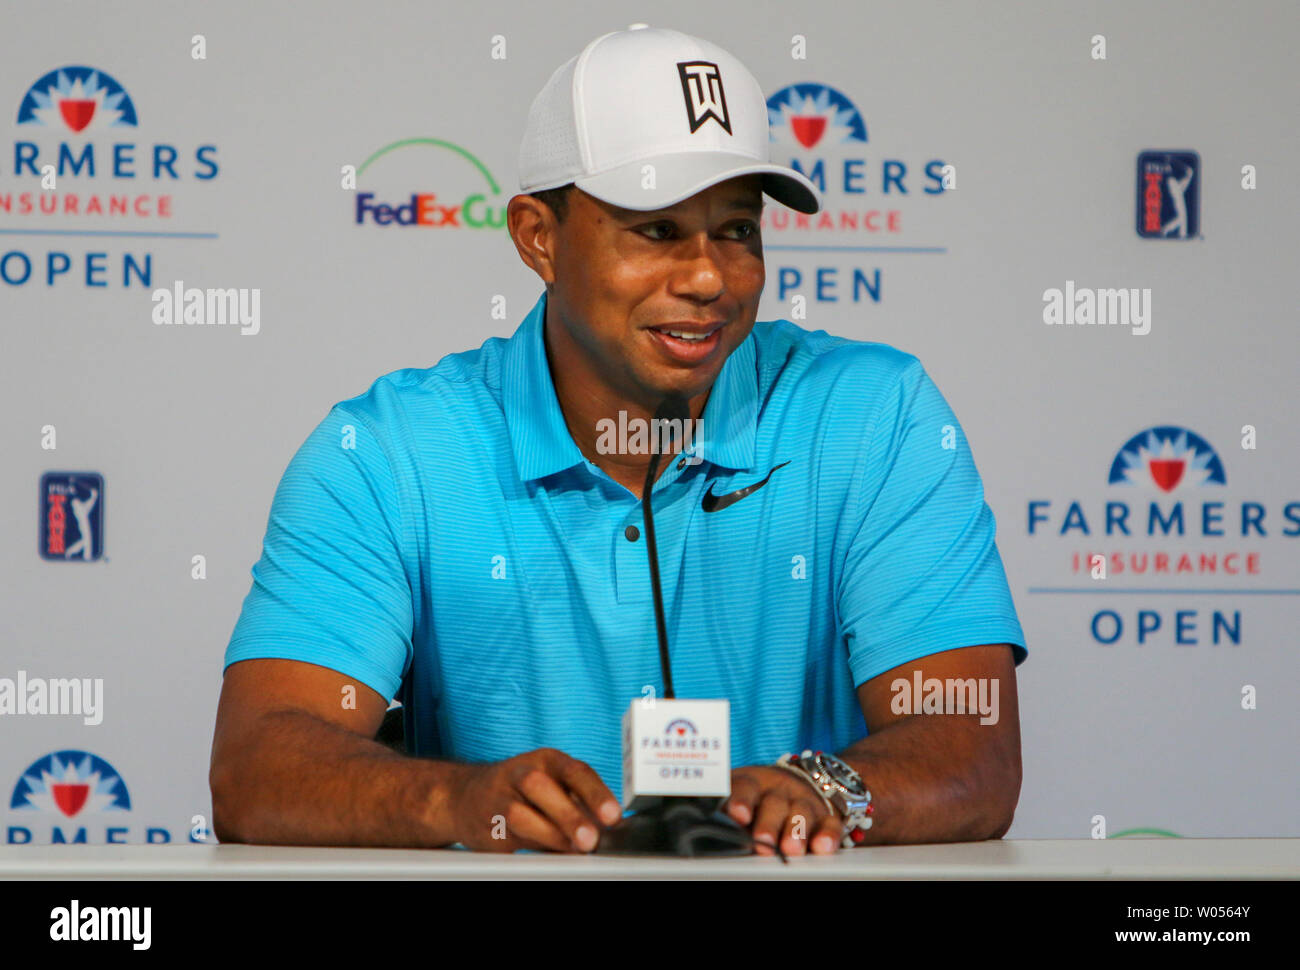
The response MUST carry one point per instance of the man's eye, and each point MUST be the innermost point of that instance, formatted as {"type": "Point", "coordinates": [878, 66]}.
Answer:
{"type": "Point", "coordinates": [748, 229]}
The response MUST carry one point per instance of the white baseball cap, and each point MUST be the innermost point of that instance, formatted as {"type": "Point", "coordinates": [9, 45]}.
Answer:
{"type": "Point", "coordinates": [648, 96]}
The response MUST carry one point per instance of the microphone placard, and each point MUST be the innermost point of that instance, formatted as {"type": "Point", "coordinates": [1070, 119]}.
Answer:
{"type": "Point", "coordinates": [676, 747]}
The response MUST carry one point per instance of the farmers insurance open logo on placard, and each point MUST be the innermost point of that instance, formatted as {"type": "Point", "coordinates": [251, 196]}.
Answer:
{"type": "Point", "coordinates": [816, 130]}
{"type": "Point", "coordinates": [81, 166]}
{"type": "Point", "coordinates": [681, 734]}
{"type": "Point", "coordinates": [1166, 525]}
{"type": "Point", "coordinates": [81, 798]}
{"type": "Point", "coordinates": [681, 751]}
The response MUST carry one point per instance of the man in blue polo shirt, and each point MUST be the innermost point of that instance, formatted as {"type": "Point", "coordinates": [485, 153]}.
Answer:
{"type": "Point", "coordinates": [467, 537]}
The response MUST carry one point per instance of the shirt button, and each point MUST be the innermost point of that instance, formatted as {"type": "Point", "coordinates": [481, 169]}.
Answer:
{"type": "Point", "coordinates": [681, 464]}
{"type": "Point", "coordinates": [631, 532]}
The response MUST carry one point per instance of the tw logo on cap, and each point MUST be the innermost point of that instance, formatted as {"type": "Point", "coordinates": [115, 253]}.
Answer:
{"type": "Point", "coordinates": [702, 88]}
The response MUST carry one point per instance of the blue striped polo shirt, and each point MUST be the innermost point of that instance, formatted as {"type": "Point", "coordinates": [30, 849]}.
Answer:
{"type": "Point", "coordinates": [442, 539]}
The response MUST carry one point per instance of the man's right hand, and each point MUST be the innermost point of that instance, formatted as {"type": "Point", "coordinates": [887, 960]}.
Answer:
{"type": "Point", "coordinates": [540, 800]}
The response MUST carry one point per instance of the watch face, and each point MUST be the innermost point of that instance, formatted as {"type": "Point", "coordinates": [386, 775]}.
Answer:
{"type": "Point", "coordinates": [842, 774]}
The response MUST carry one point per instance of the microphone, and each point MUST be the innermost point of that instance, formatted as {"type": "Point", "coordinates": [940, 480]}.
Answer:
{"type": "Point", "coordinates": [672, 409]}
{"type": "Point", "coordinates": [676, 753]}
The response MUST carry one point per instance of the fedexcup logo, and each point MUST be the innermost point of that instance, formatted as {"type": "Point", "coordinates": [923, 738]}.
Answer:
{"type": "Point", "coordinates": [461, 195]}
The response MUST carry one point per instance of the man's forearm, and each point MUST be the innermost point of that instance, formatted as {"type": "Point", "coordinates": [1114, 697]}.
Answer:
{"type": "Point", "coordinates": [303, 781]}
{"type": "Point", "coordinates": [938, 778]}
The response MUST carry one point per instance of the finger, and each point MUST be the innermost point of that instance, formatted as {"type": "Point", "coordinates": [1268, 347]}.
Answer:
{"type": "Point", "coordinates": [769, 819]}
{"type": "Point", "coordinates": [804, 814]}
{"type": "Point", "coordinates": [827, 835]}
{"type": "Point", "coordinates": [530, 829]}
{"type": "Point", "coordinates": [591, 788]}
{"type": "Point", "coordinates": [552, 800]}
{"type": "Point", "coordinates": [586, 812]}
{"type": "Point", "coordinates": [745, 790]}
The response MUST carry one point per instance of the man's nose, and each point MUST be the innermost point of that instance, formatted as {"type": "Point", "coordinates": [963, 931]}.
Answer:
{"type": "Point", "coordinates": [700, 272]}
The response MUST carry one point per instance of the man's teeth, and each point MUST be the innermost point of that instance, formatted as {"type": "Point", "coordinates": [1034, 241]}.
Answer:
{"type": "Point", "coordinates": [686, 336]}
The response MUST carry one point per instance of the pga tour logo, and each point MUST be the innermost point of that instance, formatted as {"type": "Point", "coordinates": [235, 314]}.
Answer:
{"type": "Point", "coordinates": [72, 516]}
{"type": "Point", "coordinates": [1168, 195]}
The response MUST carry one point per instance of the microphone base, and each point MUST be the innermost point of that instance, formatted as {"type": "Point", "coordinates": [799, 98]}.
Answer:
{"type": "Point", "coordinates": [677, 826]}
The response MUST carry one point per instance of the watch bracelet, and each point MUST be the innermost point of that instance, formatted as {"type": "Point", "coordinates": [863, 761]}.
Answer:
{"type": "Point", "coordinates": [830, 806]}
{"type": "Point", "coordinates": [789, 760]}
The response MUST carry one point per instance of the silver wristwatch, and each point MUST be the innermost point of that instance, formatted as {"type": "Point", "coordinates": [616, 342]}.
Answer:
{"type": "Point", "coordinates": [839, 785]}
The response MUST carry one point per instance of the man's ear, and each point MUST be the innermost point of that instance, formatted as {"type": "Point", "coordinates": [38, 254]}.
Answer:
{"type": "Point", "coordinates": [533, 227]}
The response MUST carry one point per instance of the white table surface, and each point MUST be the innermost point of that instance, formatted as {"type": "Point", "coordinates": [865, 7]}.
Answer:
{"type": "Point", "coordinates": [1127, 858]}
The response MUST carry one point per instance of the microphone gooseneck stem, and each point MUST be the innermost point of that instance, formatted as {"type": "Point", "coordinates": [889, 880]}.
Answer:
{"type": "Point", "coordinates": [653, 553]}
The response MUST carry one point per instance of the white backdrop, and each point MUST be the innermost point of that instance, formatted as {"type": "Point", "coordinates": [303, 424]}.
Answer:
{"type": "Point", "coordinates": [190, 427]}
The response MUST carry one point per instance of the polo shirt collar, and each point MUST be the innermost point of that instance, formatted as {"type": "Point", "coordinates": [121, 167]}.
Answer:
{"type": "Point", "coordinates": [729, 423]}
{"type": "Point", "coordinates": [538, 435]}
{"type": "Point", "coordinates": [541, 441]}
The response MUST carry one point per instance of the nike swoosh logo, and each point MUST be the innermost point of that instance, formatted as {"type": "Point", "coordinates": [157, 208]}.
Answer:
{"type": "Point", "coordinates": [714, 503]}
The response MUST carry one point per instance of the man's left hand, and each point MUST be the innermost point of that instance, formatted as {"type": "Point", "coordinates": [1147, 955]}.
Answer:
{"type": "Point", "coordinates": [777, 801]}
